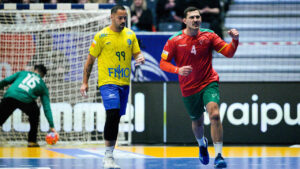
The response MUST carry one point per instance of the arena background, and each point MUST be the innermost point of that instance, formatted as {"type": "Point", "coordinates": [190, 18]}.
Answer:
{"type": "Point", "coordinates": [259, 86]}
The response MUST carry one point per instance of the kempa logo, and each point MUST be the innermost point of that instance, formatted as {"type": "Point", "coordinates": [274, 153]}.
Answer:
{"type": "Point", "coordinates": [86, 117]}
{"type": "Point", "coordinates": [263, 110]}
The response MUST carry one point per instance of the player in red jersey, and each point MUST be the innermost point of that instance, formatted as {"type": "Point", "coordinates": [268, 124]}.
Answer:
{"type": "Point", "coordinates": [192, 50]}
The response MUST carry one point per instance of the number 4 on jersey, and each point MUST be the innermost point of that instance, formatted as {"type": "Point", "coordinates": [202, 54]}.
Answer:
{"type": "Point", "coordinates": [193, 51]}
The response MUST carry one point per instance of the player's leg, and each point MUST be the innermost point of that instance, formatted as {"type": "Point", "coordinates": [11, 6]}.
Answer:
{"type": "Point", "coordinates": [216, 126]}
{"type": "Point", "coordinates": [7, 107]}
{"type": "Point", "coordinates": [115, 109]}
{"type": "Point", "coordinates": [33, 112]}
{"type": "Point", "coordinates": [216, 133]}
{"type": "Point", "coordinates": [195, 107]}
{"type": "Point", "coordinates": [111, 129]}
{"type": "Point", "coordinates": [112, 99]}
{"type": "Point", "coordinates": [198, 130]}
{"type": "Point", "coordinates": [211, 100]}
{"type": "Point", "coordinates": [198, 127]}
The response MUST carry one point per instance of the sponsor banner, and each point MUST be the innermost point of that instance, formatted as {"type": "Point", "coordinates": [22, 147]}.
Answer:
{"type": "Point", "coordinates": [251, 113]}
{"type": "Point", "coordinates": [73, 49]}
{"type": "Point", "coordinates": [153, 107]}
{"type": "Point", "coordinates": [82, 117]}
{"type": "Point", "coordinates": [261, 112]}
{"type": "Point", "coordinates": [152, 48]}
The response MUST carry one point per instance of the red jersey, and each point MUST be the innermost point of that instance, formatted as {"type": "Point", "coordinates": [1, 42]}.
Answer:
{"type": "Point", "coordinates": [195, 51]}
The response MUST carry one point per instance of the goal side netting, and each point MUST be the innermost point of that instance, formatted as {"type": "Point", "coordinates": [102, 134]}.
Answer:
{"type": "Point", "coordinates": [59, 39]}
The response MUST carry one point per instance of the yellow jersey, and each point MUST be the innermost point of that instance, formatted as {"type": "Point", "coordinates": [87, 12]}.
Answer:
{"type": "Point", "coordinates": [114, 51]}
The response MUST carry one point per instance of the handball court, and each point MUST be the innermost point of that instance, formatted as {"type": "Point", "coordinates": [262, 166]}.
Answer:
{"type": "Point", "coordinates": [147, 157]}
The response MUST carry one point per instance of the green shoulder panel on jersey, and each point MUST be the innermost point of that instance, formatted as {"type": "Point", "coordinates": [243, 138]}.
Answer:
{"type": "Point", "coordinates": [102, 33]}
{"type": "Point", "coordinates": [176, 34]}
{"type": "Point", "coordinates": [206, 30]}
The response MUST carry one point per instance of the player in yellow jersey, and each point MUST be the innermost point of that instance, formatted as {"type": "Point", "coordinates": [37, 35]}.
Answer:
{"type": "Point", "coordinates": [114, 47]}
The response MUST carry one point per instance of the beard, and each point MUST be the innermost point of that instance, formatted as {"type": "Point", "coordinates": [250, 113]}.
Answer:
{"type": "Point", "coordinates": [121, 26]}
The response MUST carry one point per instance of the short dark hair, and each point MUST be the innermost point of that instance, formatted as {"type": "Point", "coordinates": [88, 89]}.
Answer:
{"type": "Point", "coordinates": [190, 9]}
{"type": "Point", "coordinates": [41, 69]}
{"type": "Point", "coordinates": [116, 8]}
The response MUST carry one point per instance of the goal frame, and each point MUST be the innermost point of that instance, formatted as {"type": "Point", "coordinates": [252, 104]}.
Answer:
{"type": "Point", "coordinates": [78, 7]}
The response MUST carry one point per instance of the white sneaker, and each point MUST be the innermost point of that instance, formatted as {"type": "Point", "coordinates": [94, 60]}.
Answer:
{"type": "Point", "coordinates": [109, 163]}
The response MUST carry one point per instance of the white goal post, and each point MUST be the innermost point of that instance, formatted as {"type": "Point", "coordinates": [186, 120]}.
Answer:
{"type": "Point", "coordinates": [58, 36]}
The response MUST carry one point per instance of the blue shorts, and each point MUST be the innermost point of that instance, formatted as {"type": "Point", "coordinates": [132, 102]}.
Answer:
{"type": "Point", "coordinates": [115, 97]}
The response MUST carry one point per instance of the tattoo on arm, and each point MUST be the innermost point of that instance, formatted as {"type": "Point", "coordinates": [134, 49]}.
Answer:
{"type": "Point", "coordinates": [89, 70]}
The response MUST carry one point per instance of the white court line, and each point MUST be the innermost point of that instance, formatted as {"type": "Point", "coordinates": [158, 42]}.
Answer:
{"type": "Point", "coordinates": [87, 156]}
{"type": "Point", "coordinates": [118, 153]}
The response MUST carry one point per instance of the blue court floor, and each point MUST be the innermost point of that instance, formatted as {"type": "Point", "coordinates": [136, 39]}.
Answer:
{"type": "Point", "coordinates": [148, 158]}
{"type": "Point", "coordinates": [153, 163]}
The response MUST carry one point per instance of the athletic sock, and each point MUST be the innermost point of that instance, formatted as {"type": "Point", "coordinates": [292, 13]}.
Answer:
{"type": "Point", "coordinates": [202, 142]}
{"type": "Point", "coordinates": [218, 148]}
{"type": "Point", "coordinates": [109, 151]}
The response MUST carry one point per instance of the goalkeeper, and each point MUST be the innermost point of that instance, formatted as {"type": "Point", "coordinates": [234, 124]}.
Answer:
{"type": "Point", "coordinates": [25, 87]}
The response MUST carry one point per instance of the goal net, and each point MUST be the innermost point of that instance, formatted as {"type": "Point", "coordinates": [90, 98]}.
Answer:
{"type": "Point", "coordinates": [59, 39]}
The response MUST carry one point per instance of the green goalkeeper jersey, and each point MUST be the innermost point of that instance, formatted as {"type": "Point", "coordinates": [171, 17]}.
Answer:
{"type": "Point", "coordinates": [26, 87]}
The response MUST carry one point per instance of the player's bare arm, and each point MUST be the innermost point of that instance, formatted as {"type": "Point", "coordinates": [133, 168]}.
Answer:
{"type": "Point", "coordinates": [88, 67]}
{"type": "Point", "coordinates": [185, 70]}
{"type": "Point", "coordinates": [54, 131]}
{"type": "Point", "coordinates": [139, 58]}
